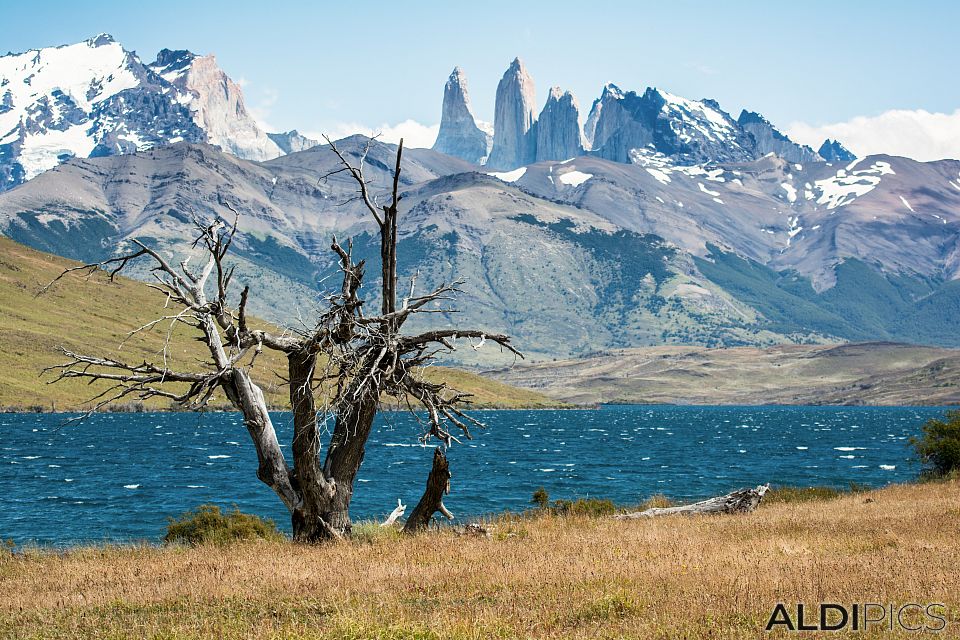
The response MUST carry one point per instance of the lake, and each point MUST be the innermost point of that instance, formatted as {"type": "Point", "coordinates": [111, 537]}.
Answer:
{"type": "Point", "coordinates": [117, 477]}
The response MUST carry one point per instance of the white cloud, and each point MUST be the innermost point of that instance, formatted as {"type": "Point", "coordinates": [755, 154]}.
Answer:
{"type": "Point", "coordinates": [415, 135]}
{"type": "Point", "coordinates": [261, 109]}
{"type": "Point", "coordinates": [915, 134]}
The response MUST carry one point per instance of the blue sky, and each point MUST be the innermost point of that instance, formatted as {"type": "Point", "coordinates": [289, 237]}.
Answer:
{"type": "Point", "coordinates": [320, 66]}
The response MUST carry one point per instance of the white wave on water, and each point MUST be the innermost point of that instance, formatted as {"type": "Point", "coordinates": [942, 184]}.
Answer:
{"type": "Point", "coordinates": [849, 448]}
{"type": "Point", "coordinates": [888, 467]}
{"type": "Point", "coordinates": [196, 486]}
{"type": "Point", "coordinates": [848, 457]}
{"type": "Point", "coordinates": [131, 486]}
{"type": "Point", "coordinates": [218, 457]}
{"type": "Point", "coordinates": [802, 448]}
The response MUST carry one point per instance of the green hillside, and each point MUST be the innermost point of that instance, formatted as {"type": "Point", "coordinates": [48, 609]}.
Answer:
{"type": "Point", "coordinates": [93, 315]}
{"type": "Point", "coordinates": [865, 304]}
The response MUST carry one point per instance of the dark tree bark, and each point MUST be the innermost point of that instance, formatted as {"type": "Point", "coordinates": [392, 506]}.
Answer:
{"type": "Point", "coordinates": [438, 485]}
{"type": "Point", "coordinates": [349, 359]}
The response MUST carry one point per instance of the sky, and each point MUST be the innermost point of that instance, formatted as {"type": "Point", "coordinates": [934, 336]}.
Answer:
{"type": "Point", "coordinates": [880, 76]}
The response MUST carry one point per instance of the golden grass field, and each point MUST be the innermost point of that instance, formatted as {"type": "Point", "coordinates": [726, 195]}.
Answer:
{"type": "Point", "coordinates": [93, 316]}
{"type": "Point", "coordinates": [536, 577]}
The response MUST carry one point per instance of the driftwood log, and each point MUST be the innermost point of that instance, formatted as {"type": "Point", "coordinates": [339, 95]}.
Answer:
{"type": "Point", "coordinates": [740, 501]}
{"type": "Point", "coordinates": [396, 513]}
{"type": "Point", "coordinates": [438, 484]}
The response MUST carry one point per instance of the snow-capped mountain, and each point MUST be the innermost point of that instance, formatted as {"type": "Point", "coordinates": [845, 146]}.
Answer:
{"type": "Point", "coordinates": [661, 220]}
{"type": "Point", "coordinates": [620, 125]}
{"type": "Point", "coordinates": [95, 98]}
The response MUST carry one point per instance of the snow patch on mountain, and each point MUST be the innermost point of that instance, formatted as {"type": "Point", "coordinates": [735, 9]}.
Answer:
{"type": "Point", "coordinates": [847, 185]}
{"type": "Point", "coordinates": [509, 176]}
{"type": "Point", "coordinates": [574, 178]}
{"type": "Point", "coordinates": [791, 191]}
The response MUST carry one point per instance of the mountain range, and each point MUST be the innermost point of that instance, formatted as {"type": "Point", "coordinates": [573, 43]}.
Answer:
{"type": "Point", "coordinates": [95, 98]}
{"type": "Point", "coordinates": [619, 124]}
{"type": "Point", "coordinates": [661, 220]}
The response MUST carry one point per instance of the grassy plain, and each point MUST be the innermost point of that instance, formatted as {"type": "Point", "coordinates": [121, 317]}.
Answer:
{"type": "Point", "coordinates": [545, 576]}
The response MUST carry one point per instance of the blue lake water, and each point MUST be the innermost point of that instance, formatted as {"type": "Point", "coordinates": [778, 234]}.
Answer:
{"type": "Point", "coordinates": [118, 477]}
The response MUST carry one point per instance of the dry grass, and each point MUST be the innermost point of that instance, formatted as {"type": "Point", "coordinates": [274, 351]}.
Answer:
{"type": "Point", "coordinates": [549, 577]}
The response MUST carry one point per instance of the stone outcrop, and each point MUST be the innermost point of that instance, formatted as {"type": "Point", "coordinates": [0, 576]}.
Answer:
{"type": "Point", "coordinates": [590, 126]}
{"type": "Point", "coordinates": [833, 151]}
{"type": "Point", "coordinates": [292, 141]}
{"type": "Point", "coordinates": [686, 131]}
{"type": "Point", "coordinates": [768, 139]}
{"type": "Point", "coordinates": [513, 143]}
{"type": "Point", "coordinates": [217, 105]}
{"type": "Point", "coordinates": [459, 135]}
{"type": "Point", "coordinates": [558, 128]}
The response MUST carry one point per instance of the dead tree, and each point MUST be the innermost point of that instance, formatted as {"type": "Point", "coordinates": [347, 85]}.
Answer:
{"type": "Point", "coordinates": [347, 360]}
{"type": "Point", "coordinates": [438, 485]}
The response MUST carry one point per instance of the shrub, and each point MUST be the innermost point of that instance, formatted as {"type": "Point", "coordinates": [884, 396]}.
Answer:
{"type": "Point", "coordinates": [208, 525]}
{"type": "Point", "coordinates": [541, 498]}
{"type": "Point", "coordinates": [938, 447]}
{"type": "Point", "coordinates": [593, 507]}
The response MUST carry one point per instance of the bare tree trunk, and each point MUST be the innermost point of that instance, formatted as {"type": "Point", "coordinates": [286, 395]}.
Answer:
{"type": "Point", "coordinates": [347, 446]}
{"type": "Point", "coordinates": [272, 467]}
{"type": "Point", "coordinates": [438, 484]}
{"type": "Point", "coordinates": [309, 519]}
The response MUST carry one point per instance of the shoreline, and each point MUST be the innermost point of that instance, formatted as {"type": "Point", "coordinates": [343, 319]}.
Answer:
{"type": "Point", "coordinates": [561, 507]}
{"type": "Point", "coordinates": [558, 407]}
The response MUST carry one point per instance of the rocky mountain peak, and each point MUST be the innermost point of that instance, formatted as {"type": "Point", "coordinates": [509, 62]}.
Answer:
{"type": "Point", "coordinates": [100, 40]}
{"type": "Point", "coordinates": [168, 58]}
{"type": "Point", "coordinates": [833, 151]}
{"type": "Point", "coordinates": [459, 135]}
{"type": "Point", "coordinates": [558, 127]}
{"type": "Point", "coordinates": [513, 143]}
{"type": "Point", "coordinates": [292, 141]}
{"type": "Point", "coordinates": [768, 139]}
{"type": "Point", "coordinates": [95, 98]}
{"type": "Point", "coordinates": [217, 105]}
{"type": "Point", "coordinates": [611, 91]}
